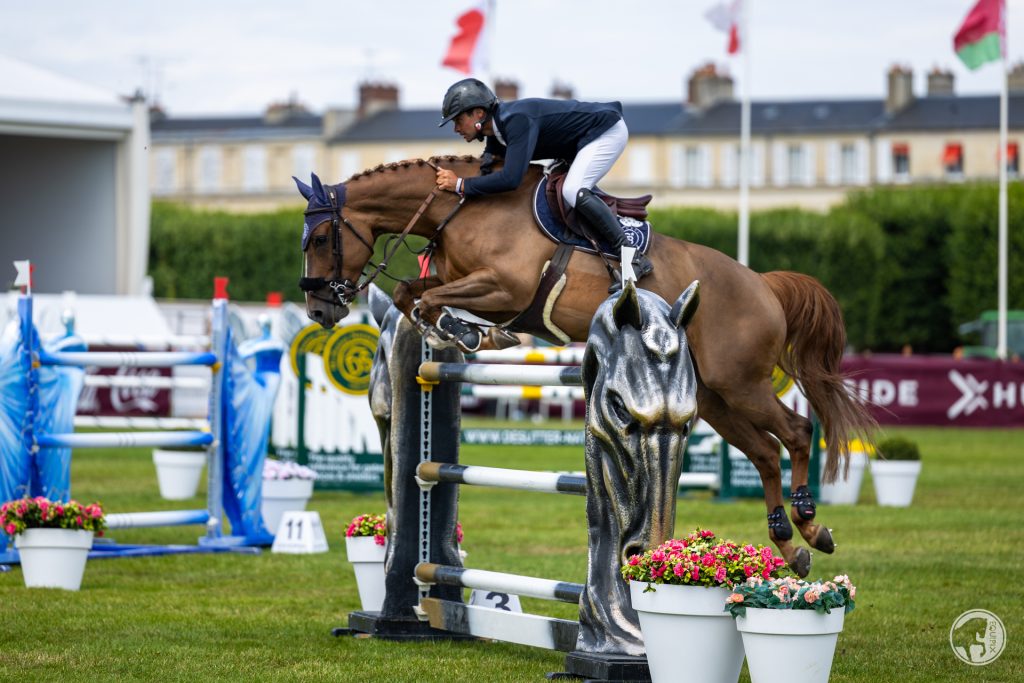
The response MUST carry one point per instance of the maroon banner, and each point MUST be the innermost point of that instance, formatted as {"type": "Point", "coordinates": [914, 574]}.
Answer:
{"type": "Point", "coordinates": [936, 390]}
{"type": "Point", "coordinates": [125, 401]}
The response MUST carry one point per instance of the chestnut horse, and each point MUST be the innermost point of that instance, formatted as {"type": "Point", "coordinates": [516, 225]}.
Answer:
{"type": "Point", "coordinates": [489, 257]}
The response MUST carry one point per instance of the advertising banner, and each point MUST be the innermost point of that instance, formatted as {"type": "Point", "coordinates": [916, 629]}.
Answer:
{"type": "Point", "coordinates": [941, 391]}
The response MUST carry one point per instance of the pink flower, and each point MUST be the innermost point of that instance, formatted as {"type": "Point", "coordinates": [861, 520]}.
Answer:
{"type": "Point", "coordinates": [766, 573]}
{"type": "Point", "coordinates": [634, 560]}
{"type": "Point", "coordinates": [695, 574]}
{"type": "Point", "coordinates": [734, 598]}
{"type": "Point", "coordinates": [766, 555]}
{"type": "Point", "coordinates": [657, 556]}
{"type": "Point", "coordinates": [720, 574]}
{"type": "Point", "coordinates": [679, 569]}
{"type": "Point", "coordinates": [707, 534]}
{"type": "Point", "coordinates": [10, 529]}
{"type": "Point", "coordinates": [811, 597]}
{"type": "Point", "coordinates": [750, 550]}
{"type": "Point", "coordinates": [707, 560]}
{"type": "Point", "coordinates": [748, 570]}
{"type": "Point", "coordinates": [379, 540]}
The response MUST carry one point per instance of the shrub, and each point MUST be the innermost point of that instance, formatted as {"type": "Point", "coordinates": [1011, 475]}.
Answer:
{"type": "Point", "coordinates": [898, 448]}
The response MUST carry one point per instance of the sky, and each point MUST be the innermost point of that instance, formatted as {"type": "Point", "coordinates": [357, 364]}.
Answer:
{"type": "Point", "coordinates": [226, 57]}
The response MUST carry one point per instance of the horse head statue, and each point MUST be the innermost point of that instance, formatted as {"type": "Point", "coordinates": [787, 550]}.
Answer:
{"type": "Point", "coordinates": [641, 393]}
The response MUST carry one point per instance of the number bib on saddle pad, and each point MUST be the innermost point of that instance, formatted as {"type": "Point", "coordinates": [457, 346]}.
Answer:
{"type": "Point", "coordinates": [638, 233]}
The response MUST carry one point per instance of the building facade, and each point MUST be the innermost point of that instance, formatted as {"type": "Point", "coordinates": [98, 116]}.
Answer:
{"type": "Point", "coordinates": [803, 153]}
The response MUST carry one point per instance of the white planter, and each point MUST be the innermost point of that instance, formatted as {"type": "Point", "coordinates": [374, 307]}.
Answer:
{"type": "Point", "coordinates": [895, 481]}
{"type": "Point", "coordinates": [789, 646]}
{"type": "Point", "coordinates": [367, 560]}
{"type": "Point", "coordinates": [53, 558]}
{"type": "Point", "coordinates": [688, 624]}
{"type": "Point", "coordinates": [178, 473]}
{"type": "Point", "coordinates": [283, 495]}
{"type": "Point", "coordinates": [845, 490]}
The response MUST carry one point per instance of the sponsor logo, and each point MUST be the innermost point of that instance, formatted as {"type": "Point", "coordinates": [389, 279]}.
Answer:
{"type": "Point", "coordinates": [348, 357]}
{"type": "Point", "coordinates": [977, 637]}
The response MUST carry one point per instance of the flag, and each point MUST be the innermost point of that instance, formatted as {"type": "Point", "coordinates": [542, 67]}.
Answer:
{"type": "Point", "coordinates": [726, 18]}
{"type": "Point", "coordinates": [982, 36]}
{"type": "Point", "coordinates": [24, 277]}
{"type": "Point", "coordinates": [467, 52]}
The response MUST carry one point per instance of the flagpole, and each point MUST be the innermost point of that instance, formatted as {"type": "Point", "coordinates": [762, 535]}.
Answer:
{"type": "Point", "coordinates": [743, 248]}
{"type": "Point", "coordinates": [1003, 241]}
{"type": "Point", "coordinates": [489, 22]}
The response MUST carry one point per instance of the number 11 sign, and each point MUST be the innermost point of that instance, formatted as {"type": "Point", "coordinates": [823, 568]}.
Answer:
{"type": "Point", "coordinates": [300, 532]}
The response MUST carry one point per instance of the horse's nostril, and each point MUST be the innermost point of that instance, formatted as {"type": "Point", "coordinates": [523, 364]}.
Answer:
{"type": "Point", "coordinates": [318, 315]}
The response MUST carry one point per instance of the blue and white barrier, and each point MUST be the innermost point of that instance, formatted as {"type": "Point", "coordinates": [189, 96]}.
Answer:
{"type": "Point", "coordinates": [430, 473]}
{"type": "Point", "coordinates": [530, 375]}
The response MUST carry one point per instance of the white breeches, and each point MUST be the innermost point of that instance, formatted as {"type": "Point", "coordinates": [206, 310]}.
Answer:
{"type": "Point", "coordinates": [594, 161]}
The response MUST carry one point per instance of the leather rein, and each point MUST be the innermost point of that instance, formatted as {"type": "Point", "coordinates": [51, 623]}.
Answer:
{"type": "Point", "coordinates": [343, 289]}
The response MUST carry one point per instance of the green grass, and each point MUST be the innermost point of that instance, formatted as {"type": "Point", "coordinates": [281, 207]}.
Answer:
{"type": "Point", "coordinates": [268, 617]}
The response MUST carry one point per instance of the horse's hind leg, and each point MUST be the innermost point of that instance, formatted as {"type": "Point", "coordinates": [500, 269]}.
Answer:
{"type": "Point", "coordinates": [763, 451]}
{"type": "Point", "coordinates": [796, 437]}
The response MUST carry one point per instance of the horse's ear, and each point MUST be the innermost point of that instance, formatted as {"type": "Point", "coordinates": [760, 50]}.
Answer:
{"type": "Point", "coordinates": [318, 187]}
{"type": "Point", "coordinates": [379, 304]}
{"type": "Point", "coordinates": [305, 190]}
{"type": "Point", "coordinates": [626, 310]}
{"type": "Point", "coordinates": [686, 305]}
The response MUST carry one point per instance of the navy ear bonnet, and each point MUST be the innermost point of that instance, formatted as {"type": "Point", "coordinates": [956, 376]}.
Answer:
{"type": "Point", "coordinates": [319, 203]}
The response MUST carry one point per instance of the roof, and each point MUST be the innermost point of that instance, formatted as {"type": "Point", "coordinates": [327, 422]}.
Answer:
{"type": "Point", "coordinates": [396, 125]}
{"type": "Point", "coordinates": [235, 127]}
{"type": "Point", "coordinates": [22, 81]}
{"type": "Point", "coordinates": [767, 118]}
{"type": "Point", "coordinates": [956, 112]}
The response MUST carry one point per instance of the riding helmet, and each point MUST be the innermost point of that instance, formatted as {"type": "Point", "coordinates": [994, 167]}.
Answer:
{"type": "Point", "coordinates": [467, 94]}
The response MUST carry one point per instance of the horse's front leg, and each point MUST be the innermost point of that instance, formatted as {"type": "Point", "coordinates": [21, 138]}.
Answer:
{"type": "Point", "coordinates": [405, 297]}
{"type": "Point", "coordinates": [479, 291]}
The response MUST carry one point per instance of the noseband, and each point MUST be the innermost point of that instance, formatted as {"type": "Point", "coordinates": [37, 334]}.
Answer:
{"type": "Point", "coordinates": [345, 290]}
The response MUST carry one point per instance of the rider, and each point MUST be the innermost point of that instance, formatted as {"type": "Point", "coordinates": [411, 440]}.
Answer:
{"type": "Point", "coordinates": [589, 135]}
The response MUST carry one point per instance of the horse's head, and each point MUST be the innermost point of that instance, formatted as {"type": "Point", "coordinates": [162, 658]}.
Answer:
{"type": "Point", "coordinates": [329, 279]}
{"type": "Point", "coordinates": [641, 401]}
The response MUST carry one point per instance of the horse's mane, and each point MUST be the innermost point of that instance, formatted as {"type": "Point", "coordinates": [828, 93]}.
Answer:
{"type": "Point", "coordinates": [408, 163]}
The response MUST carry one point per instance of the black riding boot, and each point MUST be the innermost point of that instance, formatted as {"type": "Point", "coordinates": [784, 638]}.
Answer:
{"type": "Point", "coordinates": [607, 225]}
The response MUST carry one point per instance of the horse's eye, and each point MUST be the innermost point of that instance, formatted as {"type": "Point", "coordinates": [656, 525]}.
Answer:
{"type": "Point", "coordinates": [319, 240]}
{"type": "Point", "coordinates": [619, 408]}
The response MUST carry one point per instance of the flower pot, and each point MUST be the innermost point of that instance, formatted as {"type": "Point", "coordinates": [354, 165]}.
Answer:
{"type": "Point", "coordinates": [895, 481]}
{"type": "Point", "coordinates": [283, 495]}
{"type": "Point", "coordinates": [178, 473]}
{"type": "Point", "coordinates": [688, 623]}
{"type": "Point", "coordinates": [367, 559]}
{"type": "Point", "coordinates": [845, 490]}
{"type": "Point", "coordinates": [789, 646]}
{"type": "Point", "coordinates": [53, 558]}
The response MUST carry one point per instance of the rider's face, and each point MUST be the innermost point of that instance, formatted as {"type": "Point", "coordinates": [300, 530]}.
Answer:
{"type": "Point", "coordinates": [464, 125]}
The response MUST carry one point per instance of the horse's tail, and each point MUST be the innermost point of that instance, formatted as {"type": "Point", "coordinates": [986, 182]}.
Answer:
{"type": "Point", "coordinates": [815, 339]}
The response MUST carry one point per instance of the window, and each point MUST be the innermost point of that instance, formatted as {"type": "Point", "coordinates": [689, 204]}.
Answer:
{"type": "Point", "coordinates": [254, 168]}
{"type": "Point", "coordinates": [641, 164]}
{"type": "Point", "coordinates": [349, 164]}
{"type": "Point", "coordinates": [953, 160]}
{"type": "Point", "coordinates": [165, 171]}
{"type": "Point", "coordinates": [303, 160]}
{"type": "Point", "coordinates": [210, 169]}
{"type": "Point", "coordinates": [693, 165]}
{"type": "Point", "coordinates": [795, 164]}
{"type": "Point", "coordinates": [848, 164]}
{"type": "Point", "coordinates": [901, 161]}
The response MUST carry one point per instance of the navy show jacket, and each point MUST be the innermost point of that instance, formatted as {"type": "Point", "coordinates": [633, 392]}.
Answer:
{"type": "Point", "coordinates": [536, 128]}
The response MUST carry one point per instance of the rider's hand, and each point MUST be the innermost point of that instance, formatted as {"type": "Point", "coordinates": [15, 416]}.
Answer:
{"type": "Point", "coordinates": [446, 179]}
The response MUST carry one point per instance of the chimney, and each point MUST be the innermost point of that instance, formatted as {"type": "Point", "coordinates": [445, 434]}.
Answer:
{"type": "Point", "coordinates": [375, 97]}
{"type": "Point", "coordinates": [901, 89]}
{"type": "Point", "coordinates": [506, 89]}
{"type": "Point", "coordinates": [561, 91]}
{"type": "Point", "coordinates": [940, 82]}
{"type": "Point", "coordinates": [279, 112]}
{"type": "Point", "coordinates": [337, 120]}
{"type": "Point", "coordinates": [1015, 80]}
{"type": "Point", "coordinates": [707, 87]}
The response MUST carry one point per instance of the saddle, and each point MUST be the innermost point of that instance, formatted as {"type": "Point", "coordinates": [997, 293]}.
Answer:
{"type": "Point", "coordinates": [628, 207]}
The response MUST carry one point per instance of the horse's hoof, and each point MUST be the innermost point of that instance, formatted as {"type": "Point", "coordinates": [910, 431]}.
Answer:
{"type": "Point", "coordinates": [801, 563]}
{"type": "Point", "coordinates": [823, 541]}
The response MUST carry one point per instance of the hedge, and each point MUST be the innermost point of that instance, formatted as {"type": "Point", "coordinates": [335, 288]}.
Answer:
{"type": "Point", "coordinates": [907, 264]}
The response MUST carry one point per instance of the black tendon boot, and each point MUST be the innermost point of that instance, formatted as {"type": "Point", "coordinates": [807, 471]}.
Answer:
{"type": "Point", "coordinates": [607, 226]}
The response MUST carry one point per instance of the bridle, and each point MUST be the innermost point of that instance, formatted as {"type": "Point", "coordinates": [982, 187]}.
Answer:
{"type": "Point", "coordinates": [344, 290]}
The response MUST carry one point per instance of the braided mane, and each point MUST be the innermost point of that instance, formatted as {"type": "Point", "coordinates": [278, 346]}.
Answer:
{"type": "Point", "coordinates": [408, 163]}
